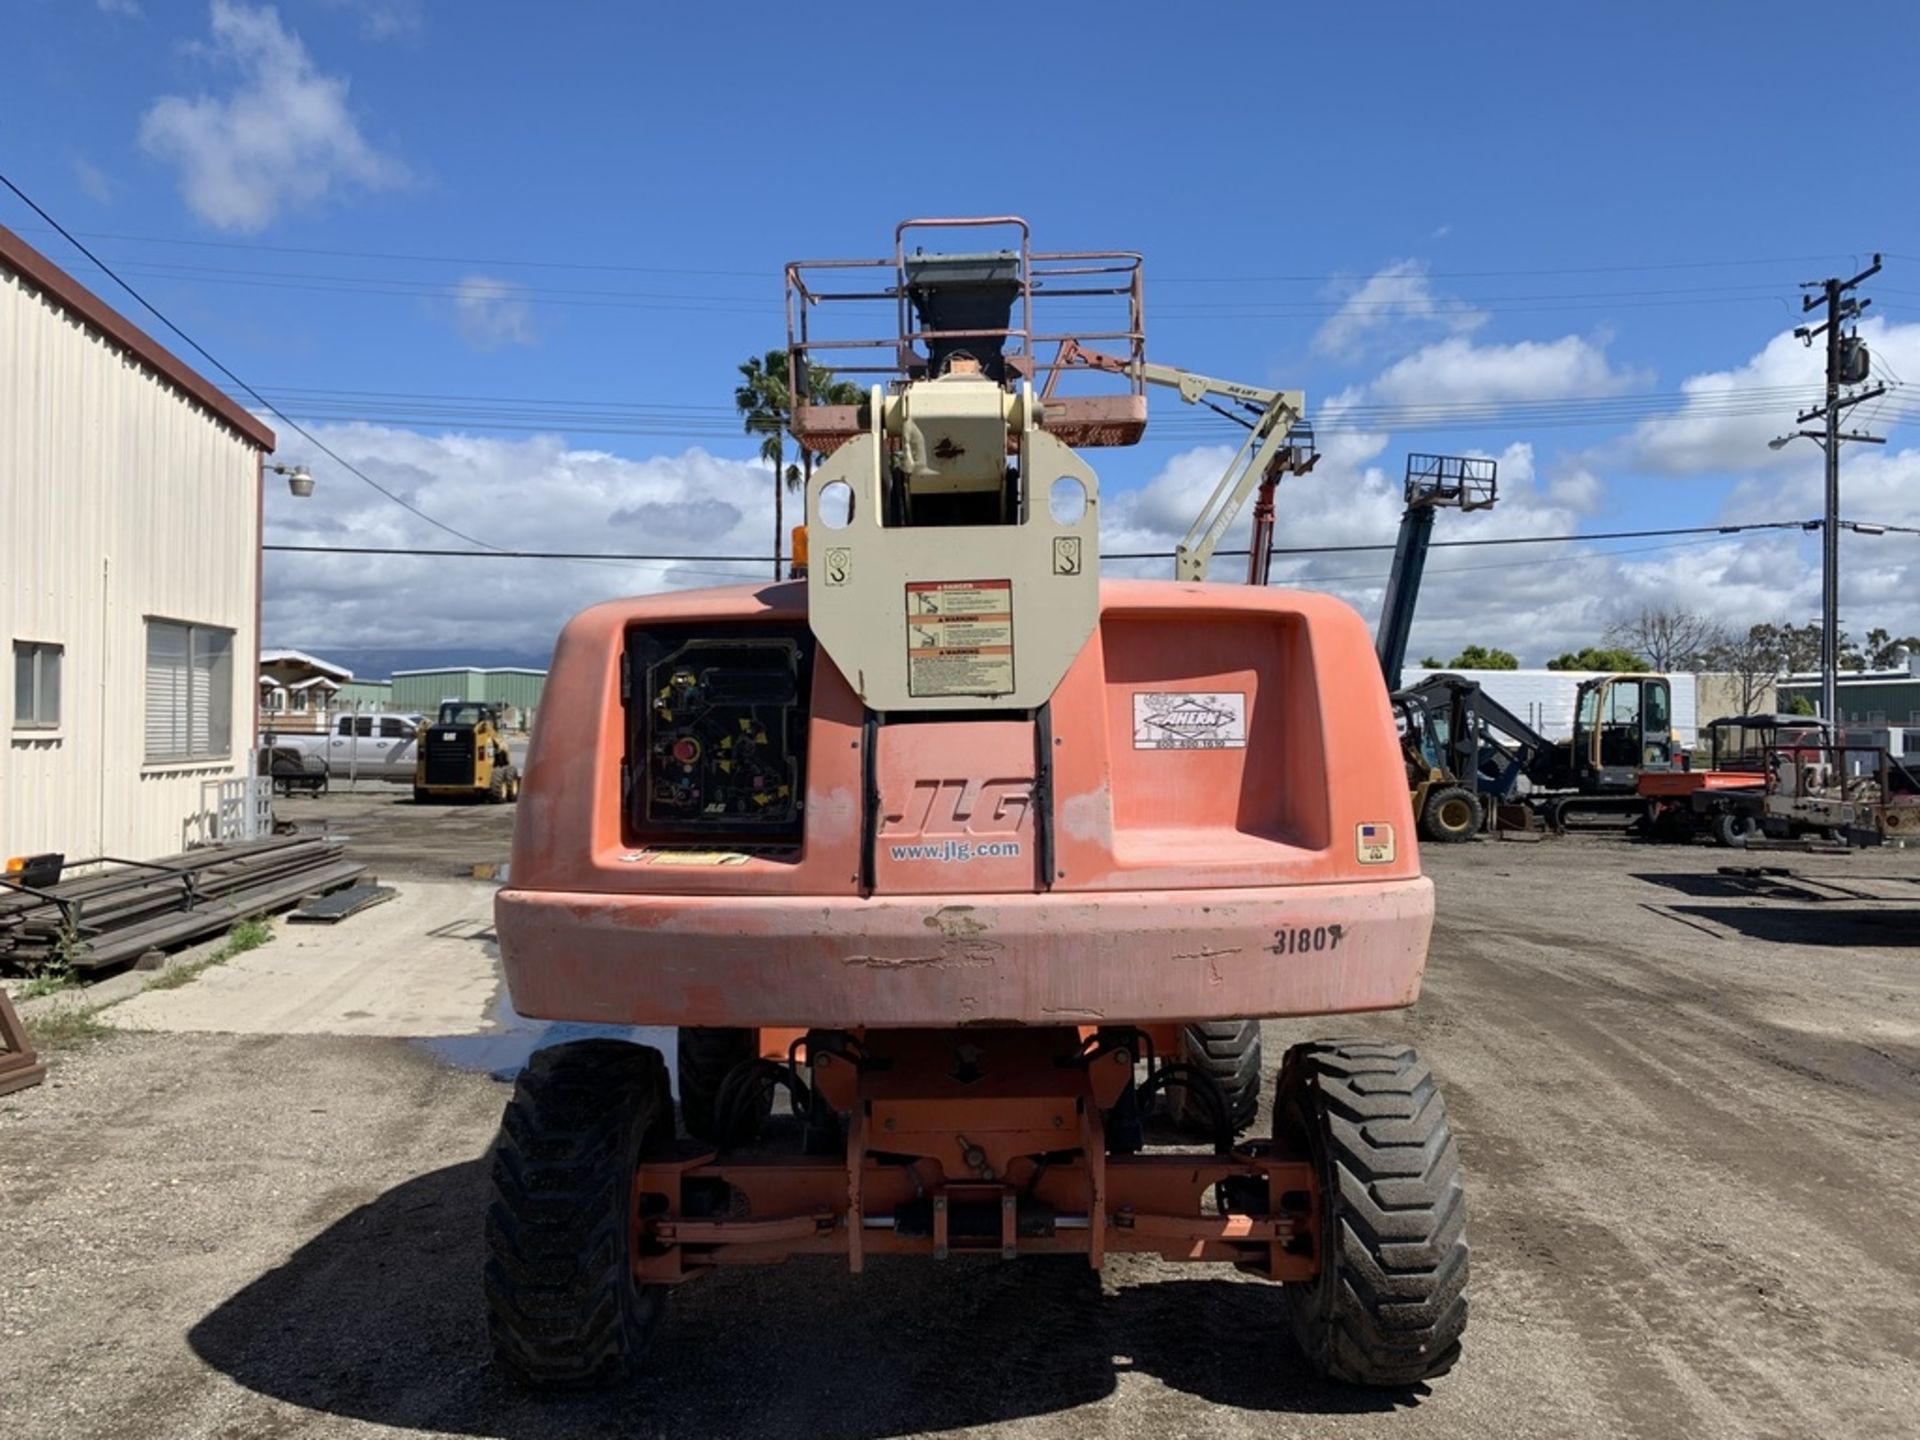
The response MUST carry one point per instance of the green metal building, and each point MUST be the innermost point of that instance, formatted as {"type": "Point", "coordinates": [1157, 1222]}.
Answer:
{"type": "Point", "coordinates": [1866, 697]}
{"type": "Point", "coordinates": [366, 694]}
{"type": "Point", "coordinates": [516, 690]}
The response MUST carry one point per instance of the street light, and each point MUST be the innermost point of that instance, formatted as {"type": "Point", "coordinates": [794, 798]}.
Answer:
{"type": "Point", "coordinates": [299, 479]}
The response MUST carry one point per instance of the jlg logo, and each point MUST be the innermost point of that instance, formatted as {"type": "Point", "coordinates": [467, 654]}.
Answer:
{"type": "Point", "coordinates": [962, 807]}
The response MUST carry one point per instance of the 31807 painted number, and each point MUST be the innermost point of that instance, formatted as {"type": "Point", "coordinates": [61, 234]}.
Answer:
{"type": "Point", "coordinates": [1307, 939]}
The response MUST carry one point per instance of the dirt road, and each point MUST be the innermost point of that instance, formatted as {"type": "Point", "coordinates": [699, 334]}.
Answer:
{"type": "Point", "coordinates": [1691, 1118]}
{"type": "Point", "coordinates": [399, 838]}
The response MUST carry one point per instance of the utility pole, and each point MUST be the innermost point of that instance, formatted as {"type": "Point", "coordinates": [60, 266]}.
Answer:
{"type": "Point", "coordinates": [1847, 365]}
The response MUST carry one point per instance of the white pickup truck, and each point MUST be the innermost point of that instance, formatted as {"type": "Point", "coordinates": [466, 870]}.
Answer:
{"type": "Point", "coordinates": [378, 745]}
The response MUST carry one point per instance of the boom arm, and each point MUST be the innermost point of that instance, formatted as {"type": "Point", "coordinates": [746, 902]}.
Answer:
{"type": "Point", "coordinates": [1267, 453]}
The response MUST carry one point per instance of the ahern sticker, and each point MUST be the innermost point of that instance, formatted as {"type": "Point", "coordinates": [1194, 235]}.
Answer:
{"type": "Point", "coordinates": [1189, 720]}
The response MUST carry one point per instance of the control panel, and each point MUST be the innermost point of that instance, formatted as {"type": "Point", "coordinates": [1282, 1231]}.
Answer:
{"type": "Point", "coordinates": [717, 730]}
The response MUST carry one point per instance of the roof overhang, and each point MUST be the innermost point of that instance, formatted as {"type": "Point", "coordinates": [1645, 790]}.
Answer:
{"type": "Point", "coordinates": [19, 258]}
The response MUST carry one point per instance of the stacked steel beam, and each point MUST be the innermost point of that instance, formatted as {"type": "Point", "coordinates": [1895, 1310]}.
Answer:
{"type": "Point", "coordinates": [119, 910]}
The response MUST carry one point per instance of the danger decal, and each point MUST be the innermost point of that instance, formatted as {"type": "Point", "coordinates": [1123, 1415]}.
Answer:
{"type": "Point", "coordinates": [960, 637]}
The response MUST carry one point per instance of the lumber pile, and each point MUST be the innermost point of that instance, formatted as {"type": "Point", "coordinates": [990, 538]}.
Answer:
{"type": "Point", "coordinates": [121, 910]}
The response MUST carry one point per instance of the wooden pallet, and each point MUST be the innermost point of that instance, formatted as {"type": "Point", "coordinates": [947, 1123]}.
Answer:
{"type": "Point", "coordinates": [19, 1066]}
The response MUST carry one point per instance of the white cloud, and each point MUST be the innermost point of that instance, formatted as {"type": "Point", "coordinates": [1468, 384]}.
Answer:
{"type": "Point", "coordinates": [490, 315]}
{"type": "Point", "coordinates": [533, 494]}
{"type": "Point", "coordinates": [1457, 371]}
{"type": "Point", "coordinates": [1394, 300]}
{"type": "Point", "coordinates": [282, 138]}
{"type": "Point", "coordinates": [1540, 599]}
{"type": "Point", "coordinates": [1578, 489]}
{"type": "Point", "coordinates": [92, 181]}
{"type": "Point", "coordinates": [387, 19]}
{"type": "Point", "coordinates": [1729, 415]}
{"type": "Point", "coordinates": [1536, 600]}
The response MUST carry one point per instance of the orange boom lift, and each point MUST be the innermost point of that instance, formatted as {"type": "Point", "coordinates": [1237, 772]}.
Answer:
{"type": "Point", "coordinates": [955, 867]}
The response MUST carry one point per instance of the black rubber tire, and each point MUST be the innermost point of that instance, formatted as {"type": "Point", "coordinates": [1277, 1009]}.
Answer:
{"type": "Point", "coordinates": [1389, 1305]}
{"type": "Point", "coordinates": [1229, 1051]}
{"type": "Point", "coordinates": [1731, 829]}
{"type": "Point", "coordinates": [1452, 816]}
{"type": "Point", "coordinates": [563, 1307]}
{"type": "Point", "coordinates": [705, 1056]}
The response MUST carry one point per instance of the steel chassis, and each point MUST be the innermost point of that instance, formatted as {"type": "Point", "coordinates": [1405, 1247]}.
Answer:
{"type": "Point", "coordinates": [982, 1142]}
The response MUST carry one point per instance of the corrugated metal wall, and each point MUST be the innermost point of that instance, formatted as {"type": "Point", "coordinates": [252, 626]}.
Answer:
{"type": "Point", "coordinates": [425, 689]}
{"type": "Point", "coordinates": [1866, 702]}
{"type": "Point", "coordinates": [120, 499]}
{"type": "Point", "coordinates": [367, 694]}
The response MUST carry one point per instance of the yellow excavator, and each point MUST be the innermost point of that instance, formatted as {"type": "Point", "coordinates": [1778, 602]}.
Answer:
{"type": "Point", "coordinates": [463, 755]}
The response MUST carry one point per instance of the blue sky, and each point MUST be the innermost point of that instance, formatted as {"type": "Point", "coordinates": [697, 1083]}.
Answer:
{"type": "Point", "coordinates": [1530, 208]}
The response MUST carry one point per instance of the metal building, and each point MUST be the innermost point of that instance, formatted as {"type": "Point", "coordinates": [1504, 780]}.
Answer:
{"type": "Point", "coordinates": [514, 688]}
{"type": "Point", "coordinates": [129, 576]}
{"type": "Point", "coordinates": [1867, 697]}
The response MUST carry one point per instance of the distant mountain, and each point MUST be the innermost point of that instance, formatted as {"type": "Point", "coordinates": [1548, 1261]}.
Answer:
{"type": "Point", "coordinates": [379, 663]}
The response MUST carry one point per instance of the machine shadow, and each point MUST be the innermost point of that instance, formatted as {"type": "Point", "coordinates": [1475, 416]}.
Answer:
{"type": "Point", "coordinates": [1778, 912]}
{"type": "Point", "coordinates": [1827, 926]}
{"type": "Point", "coordinates": [379, 1318]}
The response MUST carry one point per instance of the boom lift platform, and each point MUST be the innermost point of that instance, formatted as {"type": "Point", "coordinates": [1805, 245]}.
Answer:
{"type": "Point", "coordinates": [1434, 482]}
{"type": "Point", "coordinates": [950, 844]}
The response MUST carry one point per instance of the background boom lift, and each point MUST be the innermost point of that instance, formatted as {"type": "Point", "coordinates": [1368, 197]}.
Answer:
{"type": "Point", "coordinates": [1279, 442]}
{"type": "Point", "coordinates": [1461, 482]}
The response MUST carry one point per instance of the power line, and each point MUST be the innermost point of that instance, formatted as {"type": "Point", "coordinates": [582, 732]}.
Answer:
{"type": "Point", "coordinates": [1253, 308]}
{"type": "Point", "coordinates": [506, 412]}
{"type": "Point", "coordinates": [498, 554]}
{"type": "Point", "coordinates": [1711, 263]}
{"type": "Point", "coordinates": [1512, 564]}
{"type": "Point", "coordinates": [208, 356]}
{"type": "Point", "coordinates": [1278, 551]}
{"type": "Point", "coordinates": [421, 259]}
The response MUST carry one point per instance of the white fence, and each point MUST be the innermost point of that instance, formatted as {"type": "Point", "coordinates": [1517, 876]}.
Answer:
{"type": "Point", "coordinates": [237, 809]}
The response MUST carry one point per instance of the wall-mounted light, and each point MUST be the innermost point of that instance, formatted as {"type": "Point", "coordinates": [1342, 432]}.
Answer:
{"type": "Point", "coordinates": [299, 479]}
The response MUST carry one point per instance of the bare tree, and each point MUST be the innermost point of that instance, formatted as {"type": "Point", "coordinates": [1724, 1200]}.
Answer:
{"type": "Point", "coordinates": [1766, 653]}
{"type": "Point", "coordinates": [1754, 660]}
{"type": "Point", "coordinates": [1667, 639]}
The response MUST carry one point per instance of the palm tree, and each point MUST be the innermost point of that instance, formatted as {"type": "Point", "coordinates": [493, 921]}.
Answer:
{"type": "Point", "coordinates": [765, 402]}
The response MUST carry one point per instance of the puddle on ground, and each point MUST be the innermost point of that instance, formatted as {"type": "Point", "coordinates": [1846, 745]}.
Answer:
{"type": "Point", "coordinates": [502, 1051]}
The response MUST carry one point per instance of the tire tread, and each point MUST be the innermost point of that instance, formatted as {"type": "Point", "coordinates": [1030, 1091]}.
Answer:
{"type": "Point", "coordinates": [1394, 1226]}
{"type": "Point", "coordinates": [563, 1309]}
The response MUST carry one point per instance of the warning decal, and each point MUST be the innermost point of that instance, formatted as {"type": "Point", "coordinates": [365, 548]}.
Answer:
{"type": "Point", "coordinates": [1189, 720]}
{"type": "Point", "coordinates": [959, 637]}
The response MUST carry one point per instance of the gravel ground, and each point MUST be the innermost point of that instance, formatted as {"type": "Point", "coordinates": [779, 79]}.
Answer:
{"type": "Point", "coordinates": [1690, 1118]}
{"type": "Point", "coordinates": [400, 839]}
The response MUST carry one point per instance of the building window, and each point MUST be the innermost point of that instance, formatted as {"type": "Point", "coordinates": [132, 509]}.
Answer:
{"type": "Point", "coordinates": [36, 685]}
{"type": "Point", "coordinates": [189, 691]}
